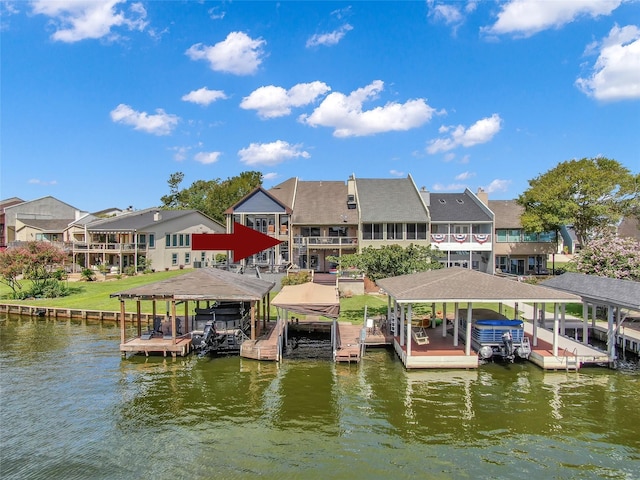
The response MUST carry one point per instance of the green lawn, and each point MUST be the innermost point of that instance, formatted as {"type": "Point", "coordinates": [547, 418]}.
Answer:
{"type": "Point", "coordinates": [96, 295]}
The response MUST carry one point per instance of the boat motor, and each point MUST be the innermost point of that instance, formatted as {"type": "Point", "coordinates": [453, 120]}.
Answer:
{"type": "Point", "coordinates": [507, 342]}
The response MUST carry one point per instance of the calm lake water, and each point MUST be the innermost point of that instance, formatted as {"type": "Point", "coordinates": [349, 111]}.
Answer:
{"type": "Point", "coordinates": [72, 408]}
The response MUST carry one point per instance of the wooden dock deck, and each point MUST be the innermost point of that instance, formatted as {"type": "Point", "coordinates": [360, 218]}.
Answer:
{"type": "Point", "coordinates": [267, 347]}
{"type": "Point", "coordinates": [348, 342]}
{"type": "Point", "coordinates": [163, 345]}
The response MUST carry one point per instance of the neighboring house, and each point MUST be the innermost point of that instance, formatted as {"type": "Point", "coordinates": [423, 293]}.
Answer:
{"type": "Point", "coordinates": [44, 219]}
{"type": "Point", "coordinates": [161, 237]}
{"type": "Point", "coordinates": [461, 228]}
{"type": "Point", "coordinates": [629, 227]}
{"type": "Point", "coordinates": [570, 241]}
{"type": "Point", "coordinates": [9, 202]}
{"type": "Point", "coordinates": [516, 251]}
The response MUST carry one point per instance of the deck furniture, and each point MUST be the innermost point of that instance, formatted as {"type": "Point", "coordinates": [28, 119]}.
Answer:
{"type": "Point", "coordinates": [420, 336]}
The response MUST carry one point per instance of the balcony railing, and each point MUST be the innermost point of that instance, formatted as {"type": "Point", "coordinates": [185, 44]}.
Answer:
{"type": "Point", "coordinates": [108, 247]}
{"type": "Point", "coordinates": [461, 238]}
{"type": "Point", "coordinates": [327, 241]}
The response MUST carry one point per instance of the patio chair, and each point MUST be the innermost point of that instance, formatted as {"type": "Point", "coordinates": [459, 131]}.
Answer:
{"type": "Point", "coordinates": [420, 336]}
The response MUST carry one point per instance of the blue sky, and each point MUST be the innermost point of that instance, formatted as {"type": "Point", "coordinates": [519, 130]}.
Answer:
{"type": "Point", "coordinates": [102, 100]}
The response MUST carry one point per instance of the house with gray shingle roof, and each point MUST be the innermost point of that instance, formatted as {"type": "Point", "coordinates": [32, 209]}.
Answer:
{"type": "Point", "coordinates": [159, 238]}
{"type": "Point", "coordinates": [462, 227]}
{"type": "Point", "coordinates": [392, 211]}
{"type": "Point", "coordinates": [516, 251]}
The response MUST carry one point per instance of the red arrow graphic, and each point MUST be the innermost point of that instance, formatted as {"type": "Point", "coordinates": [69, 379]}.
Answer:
{"type": "Point", "coordinates": [243, 242]}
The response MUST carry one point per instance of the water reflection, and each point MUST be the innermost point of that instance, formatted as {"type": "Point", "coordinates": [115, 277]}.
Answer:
{"type": "Point", "coordinates": [72, 408]}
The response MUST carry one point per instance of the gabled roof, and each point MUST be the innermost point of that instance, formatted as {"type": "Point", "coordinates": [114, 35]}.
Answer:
{"type": "Point", "coordinates": [390, 199]}
{"type": "Point", "coordinates": [258, 201]}
{"type": "Point", "coordinates": [39, 200]}
{"type": "Point", "coordinates": [602, 290]}
{"type": "Point", "coordinates": [7, 202]}
{"type": "Point", "coordinates": [202, 284]}
{"type": "Point", "coordinates": [629, 227]}
{"type": "Point", "coordinates": [507, 213]}
{"type": "Point", "coordinates": [323, 203]}
{"type": "Point", "coordinates": [457, 207]}
{"type": "Point", "coordinates": [47, 225]}
{"type": "Point", "coordinates": [141, 220]}
{"type": "Point", "coordinates": [458, 284]}
{"type": "Point", "coordinates": [285, 192]}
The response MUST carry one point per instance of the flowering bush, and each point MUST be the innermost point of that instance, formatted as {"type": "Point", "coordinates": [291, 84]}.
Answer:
{"type": "Point", "coordinates": [610, 256]}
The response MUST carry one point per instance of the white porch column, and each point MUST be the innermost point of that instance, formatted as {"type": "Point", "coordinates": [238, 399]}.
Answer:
{"type": "Point", "coordinates": [401, 325]}
{"type": "Point", "coordinates": [409, 315]}
{"type": "Point", "coordinates": [611, 338]}
{"type": "Point", "coordinates": [585, 323]}
{"type": "Point", "coordinates": [467, 345]}
{"type": "Point", "coordinates": [593, 315]}
{"type": "Point", "coordinates": [444, 319]}
{"type": "Point", "coordinates": [535, 324]}
{"type": "Point", "coordinates": [556, 310]}
{"type": "Point", "coordinates": [563, 319]}
{"type": "Point", "coordinates": [455, 324]}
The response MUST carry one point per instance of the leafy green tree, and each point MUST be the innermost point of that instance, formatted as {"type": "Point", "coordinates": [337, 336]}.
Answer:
{"type": "Point", "coordinates": [172, 200]}
{"type": "Point", "coordinates": [211, 197]}
{"type": "Point", "coordinates": [390, 260]}
{"type": "Point", "coordinates": [610, 256]}
{"type": "Point", "coordinates": [35, 261]}
{"type": "Point", "coordinates": [586, 193]}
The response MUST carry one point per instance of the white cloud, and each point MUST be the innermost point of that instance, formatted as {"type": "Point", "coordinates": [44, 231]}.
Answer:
{"type": "Point", "coordinates": [180, 153]}
{"type": "Point", "coordinates": [37, 181]}
{"type": "Point", "coordinates": [159, 124]}
{"type": "Point", "coordinates": [77, 20]}
{"type": "Point", "coordinates": [204, 96]}
{"type": "Point", "coordinates": [238, 54]}
{"type": "Point", "coordinates": [497, 185]}
{"type": "Point", "coordinates": [465, 175]}
{"type": "Point", "coordinates": [616, 73]}
{"type": "Point", "coordinates": [270, 153]}
{"type": "Point", "coordinates": [344, 113]}
{"type": "Point", "coordinates": [480, 132]}
{"type": "Point", "coordinates": [452, 187]}
{"type": "Point", "coordinates": [396, 173]}
{"type": "Point", "coordinates": [329, 39]}
{"type": "Point", "coordinates": [270, 176]}
{"type": "Point", "coordinates": [528, 17]}
{"type": "Point", "coordinates": [449, 13]}
{"type": "Point", "coordinates": [207, 158]}
{"type": "Point", "coordinates": [271, 101]}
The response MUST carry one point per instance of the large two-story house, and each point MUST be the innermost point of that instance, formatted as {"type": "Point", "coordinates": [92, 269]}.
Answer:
{"type": "Point", "coordinates": [159, 239]}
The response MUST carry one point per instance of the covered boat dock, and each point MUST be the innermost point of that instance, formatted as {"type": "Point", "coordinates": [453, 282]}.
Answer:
{"type": "Point", "coordinates": [440, 348]}
{"type": "Point", "coordinates": [207, 285]}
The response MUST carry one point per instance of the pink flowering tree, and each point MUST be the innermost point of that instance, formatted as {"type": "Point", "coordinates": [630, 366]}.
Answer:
{"type": "Point", "coordinates": [610, 256]}
{"type": "Point", "coordinates": [35, 261]}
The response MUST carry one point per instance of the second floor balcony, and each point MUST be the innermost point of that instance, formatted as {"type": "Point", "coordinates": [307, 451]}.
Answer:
{"type": "Point", "coordinates": [326, 242]}
{"type": "Point", "coordinates": [462, 241]}
{"type": "Point", "coordinates": [109, 247]}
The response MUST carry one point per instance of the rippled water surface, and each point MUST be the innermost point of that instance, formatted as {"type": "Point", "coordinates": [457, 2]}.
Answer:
{"type": "Point", "coordinates": [71, 408]}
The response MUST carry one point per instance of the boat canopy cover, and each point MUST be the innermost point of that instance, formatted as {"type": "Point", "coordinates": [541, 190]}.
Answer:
{"type": "Point", "coordinates": [309, 299]}
{"type": "Point", "coordinates": [500, 323]}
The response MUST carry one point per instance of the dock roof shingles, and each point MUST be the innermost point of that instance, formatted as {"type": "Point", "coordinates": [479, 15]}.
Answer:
{"type": "Point", "coordinates": [457, 284]}
{"type": "Point", "coordinates": [395, 199]}
{"type": "Point", "coordinates": [202, 284]}
{"type": "Point", "coordinates": [615, 291]}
